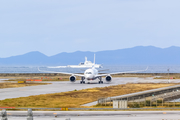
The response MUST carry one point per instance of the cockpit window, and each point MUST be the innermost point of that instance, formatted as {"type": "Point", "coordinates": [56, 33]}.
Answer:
{"type": "Point", "coordinates": [88, 73]}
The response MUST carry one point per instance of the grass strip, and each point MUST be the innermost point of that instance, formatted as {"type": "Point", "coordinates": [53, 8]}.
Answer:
{"type": "Point", "coordinates": [15, 85]}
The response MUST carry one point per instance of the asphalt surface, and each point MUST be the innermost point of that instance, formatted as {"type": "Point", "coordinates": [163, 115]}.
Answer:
{"type": "Point", "coordinates": [64, 86]}
{"type": "Point", "coordinates": [96, 115]}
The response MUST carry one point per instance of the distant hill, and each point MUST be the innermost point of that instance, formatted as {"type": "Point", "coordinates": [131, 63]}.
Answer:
{"type": "Point", "coordinates": [139, 55]}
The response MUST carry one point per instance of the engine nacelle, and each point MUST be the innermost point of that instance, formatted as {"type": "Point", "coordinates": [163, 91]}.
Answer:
{"type": "Point", "coordinates": [108, 78]}
{"type": "Point", "coordinates": [72, 78]}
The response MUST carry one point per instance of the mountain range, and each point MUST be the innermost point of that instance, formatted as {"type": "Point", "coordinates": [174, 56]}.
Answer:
{"type": "Point", "coordinates": [140, 55]}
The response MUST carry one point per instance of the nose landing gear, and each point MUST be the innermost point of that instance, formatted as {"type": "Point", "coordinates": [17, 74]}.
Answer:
{"type": "Point", "coordinates": [82, 80]}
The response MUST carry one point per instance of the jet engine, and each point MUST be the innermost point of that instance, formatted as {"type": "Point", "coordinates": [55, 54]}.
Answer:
{"type": "Point", "coordinates": [108, 78]}
{"type": "Point", "coordinates": [72, 78]}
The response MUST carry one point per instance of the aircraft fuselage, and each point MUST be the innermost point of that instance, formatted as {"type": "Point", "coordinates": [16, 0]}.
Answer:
{"type": "Point", "coordinates": [90, 74]}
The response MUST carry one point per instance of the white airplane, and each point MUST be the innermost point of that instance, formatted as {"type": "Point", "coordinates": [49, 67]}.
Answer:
{"type": "Point", "coordinates": [92, 74]}
{"type": "Point", "coordinates": [86, 64]}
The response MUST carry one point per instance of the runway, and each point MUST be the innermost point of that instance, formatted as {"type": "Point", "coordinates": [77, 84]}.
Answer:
{"type": "Point", "coordinates": [96, 115]}
{"type": "Point", "coordinates": [64, 86]}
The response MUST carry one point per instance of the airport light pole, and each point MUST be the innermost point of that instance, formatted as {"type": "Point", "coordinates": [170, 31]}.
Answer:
{"type": "Point", "coordinates": [168, 75]}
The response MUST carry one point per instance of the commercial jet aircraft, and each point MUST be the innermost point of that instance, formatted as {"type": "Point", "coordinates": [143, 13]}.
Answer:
{"type": "Point", "coordinates": [92, 74]}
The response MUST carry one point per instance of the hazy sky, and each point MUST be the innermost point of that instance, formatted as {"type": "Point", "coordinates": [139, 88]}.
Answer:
{"type": "Point", "coordinates": [54, 26]}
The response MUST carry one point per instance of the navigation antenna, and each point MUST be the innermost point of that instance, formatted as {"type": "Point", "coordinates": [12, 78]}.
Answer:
{"type": "Point", "coordinates": [94, 59]}
{"type": "Point", "coordinates": [168, 75]}
{"type": "Point", "coordinates": [85, 59]}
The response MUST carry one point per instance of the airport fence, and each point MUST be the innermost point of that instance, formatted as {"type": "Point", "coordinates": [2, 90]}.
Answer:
{"type": "Point", "coordinates": [161, 97]}
{"type": "Point", "coordinates": [4, 115]}
{"type": "Point", "coordinates": [146, 103]}
{"type": "Point", "coordinates": [30, 115]}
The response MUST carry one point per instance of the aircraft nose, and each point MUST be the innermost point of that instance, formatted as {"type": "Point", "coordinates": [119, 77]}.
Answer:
{"type": "Point", "coordinates": [88, 76]}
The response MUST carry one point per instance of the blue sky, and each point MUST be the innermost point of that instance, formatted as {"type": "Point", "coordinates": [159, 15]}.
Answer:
{"type": "Point", "coordinates": [54, 26]}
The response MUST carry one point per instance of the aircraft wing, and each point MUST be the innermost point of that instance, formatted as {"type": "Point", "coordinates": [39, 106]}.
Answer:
{"type": "Point", "coordinates": [121, 72]}
{"type": "Point", "coordinates": [62, 73]}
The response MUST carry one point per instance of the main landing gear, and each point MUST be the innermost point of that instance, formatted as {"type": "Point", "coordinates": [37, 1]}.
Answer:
{"type": "Point", "coordinates": [100, 82]}
{"type": "Point", "coordinates": [82, 80]}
